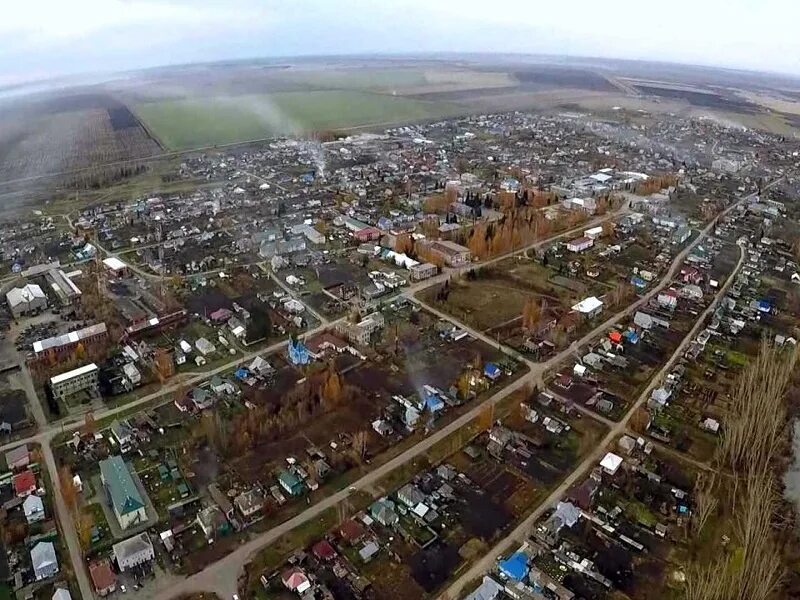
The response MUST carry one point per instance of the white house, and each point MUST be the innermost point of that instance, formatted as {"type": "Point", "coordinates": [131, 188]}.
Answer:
{"type": "Point", "coordinates": [33, 508]}
{"type": "Point", "coordinates": [593, 233]}
{"type": "Point", "coordinates": [668, 299]}
{"type": "Point", "coordinates": [133, 551]}
{"type": "Point", "coordinates": [44, 560]}
{"type": "Point", "coordinates": [589, 307]}
{"type": "Point", "coordinates": [580, 244]}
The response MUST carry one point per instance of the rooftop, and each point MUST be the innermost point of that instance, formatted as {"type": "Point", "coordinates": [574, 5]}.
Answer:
{"type": "Point", "coordinates": [74, 373]}
{"type": "Point", "coordinates": [123, 491]}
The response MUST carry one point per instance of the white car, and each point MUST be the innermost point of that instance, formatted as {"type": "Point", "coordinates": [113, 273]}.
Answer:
{"type": "Point", "coordinates": [123, 588]}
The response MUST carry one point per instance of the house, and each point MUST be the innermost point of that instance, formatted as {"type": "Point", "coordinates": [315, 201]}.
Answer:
{"type": "Point", "coordinates": [133, 552]}
{"type": "Point", "coordinates": [123, 433]}
{"type": "Point", "coordinates": [27, 300]}
{"type": "Point", "coordinates": [589, 307]}
{"type": "Point", "coordinates": [351, 532]}
{"type": "Point", "coordinates": [33, 507]}
{"type": "Point", "coordinates": [212, 522]}
{"type": "Point", "coordinates": [667, 299]}
{"type": "Point", "coordinates": [593, 233]}
{"type": "Point", "coordinates": [18, 458]}
{"type": "Point", "coordinates": [489, 589]}
{"type": "Point", "coordinates": [44, 560]}
{"type": "Point", "coordinates": [659, 398]}
{"type": "Point", "coordinates": [368, 551]}
{"type": "Point", "coordinates": [382, 427]}
{"type": "Point", "coordinates": [221, 500]}
{"type": "Point", "coordinates": [61, 594]}
{"type": "Point", "coordinates": [204, 347]}
{"type": "Point", "coordinates": [611, 463]}
{"type": "Point", "coordinates": [515, 567]}
{"type": "Point", "coordinates": [221, 315]}
{"type": "Point", "coordinates": [24, 483]}
{"type": "Point", "coordinates": [580, 244]}
{"type": "Point", "coordinates": [681, 234]}
{"type": "Point", "coordinates": [410, 495]}
{"type": "Point", "coordinates": [249, 503]}
{"type": "Point", "coordinates": [383, 512]}
{"type": "Point", "coordinates": [123, 495]}
{"type": "Point", "coordinates": [295, 580]}
{"type": "Point", "coordinates": [290, 482]}
{"type": "Point", "coordinates": [492, 371]}
{"type": "Point", "coordinates": [692, 292]}
{"type": "Point", "coordinates": [323, 551]}
{"type": "Point", "coordinates": [103, 578]}
{"type": "Point", "coordinates": [116, 267]}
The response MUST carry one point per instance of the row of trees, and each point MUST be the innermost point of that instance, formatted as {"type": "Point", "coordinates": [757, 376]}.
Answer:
{"type": "Point", "coordinates": [321, 393]}
{"type": "Point", "coordinates": [754, 438]}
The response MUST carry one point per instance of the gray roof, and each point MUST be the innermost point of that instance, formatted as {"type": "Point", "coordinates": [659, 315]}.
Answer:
{"type": "Point", "coordinates": [16, 454]}
{"type": "Point", "coordinates": [132, 546]}
{"type": "Point", "coordinates": [43, 554]}
{"type": "Point", "coordinates": [24, 294]}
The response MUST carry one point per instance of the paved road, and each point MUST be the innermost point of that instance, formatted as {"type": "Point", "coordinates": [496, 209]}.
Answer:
{"type": "Point", "coordinates": [522, 530]}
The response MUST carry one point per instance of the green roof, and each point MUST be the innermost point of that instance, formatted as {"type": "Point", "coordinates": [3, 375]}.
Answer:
{"type": "Point", "coordinates": [121, 488]}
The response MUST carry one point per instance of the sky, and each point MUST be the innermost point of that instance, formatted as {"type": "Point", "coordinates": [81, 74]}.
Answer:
{"type": "Point", "coordinates": [42, 39]}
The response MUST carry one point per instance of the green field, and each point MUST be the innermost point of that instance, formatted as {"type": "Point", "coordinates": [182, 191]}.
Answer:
{"type": "Point", "coordinates": [181, 124]}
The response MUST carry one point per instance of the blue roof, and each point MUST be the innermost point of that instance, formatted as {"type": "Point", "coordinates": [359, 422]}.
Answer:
{"type": "Point", "coordinates": [242, 373]}
{"type": "Point", "coordinates": [764, 305]}
{"type": "Point", "coordinates": [298, 353]}
{"type": "Point", "coordinates": [491, 369]}
{"type": "Point", "coordinates": [631, 336]}
{"type": "Point", "coordinates": [515, 566]}
{"type": "Point", "coordinates": [433, 402]}
{"type": "Point", "coordinates": [638, 281]}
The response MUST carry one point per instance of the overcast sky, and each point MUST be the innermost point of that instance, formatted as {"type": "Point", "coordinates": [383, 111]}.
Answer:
{"type": "Point", "coordinates": [49, 38]}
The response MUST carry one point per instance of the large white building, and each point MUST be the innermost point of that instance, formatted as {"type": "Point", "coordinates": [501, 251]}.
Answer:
{"type": "Point", "coordinates": [133, 551]}
{"type": "Point", "coordinates": [26, 300]}
{"type": "Point", "coordinates": [77, 380]}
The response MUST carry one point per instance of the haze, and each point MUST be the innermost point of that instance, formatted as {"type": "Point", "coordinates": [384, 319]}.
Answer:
{"type": "Point", "coordinates": [51, 38]}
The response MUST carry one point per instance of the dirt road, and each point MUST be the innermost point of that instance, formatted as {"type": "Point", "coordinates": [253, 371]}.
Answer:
{"type": "Point", "coordinates": [522, 531]}
{"type": "Point", "coordinates": [222, 576]}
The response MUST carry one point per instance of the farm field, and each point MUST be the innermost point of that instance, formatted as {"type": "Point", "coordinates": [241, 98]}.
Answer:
{"type": "Point", "coordinates": [74, 139]}
{"type": "Point", "coordinates": [220, 120]}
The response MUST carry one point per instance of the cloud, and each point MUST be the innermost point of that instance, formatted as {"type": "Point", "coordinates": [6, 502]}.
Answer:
{"type": "Point", "coordinates": [53, 37]}
{"type": "Point", "coordinates": [50, 24]}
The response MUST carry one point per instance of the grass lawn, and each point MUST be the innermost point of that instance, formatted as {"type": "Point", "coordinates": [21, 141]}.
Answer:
{"type": "Point", "coordinates": [198, 122]}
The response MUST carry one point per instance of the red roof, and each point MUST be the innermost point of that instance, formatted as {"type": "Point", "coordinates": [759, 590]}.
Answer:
{"type": "Point", "coordinates": [24, 483]}
{"type": "Point", "coordinates": [351, 530]}
{"type": "Point", "coordinates": [615, 336]}
{"type": "Point", "coordinates": [294, 578]}
{"type": "Point", "coordinates": [323, 550]}
{"type": "Point", "coordinates": [102, 575]}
